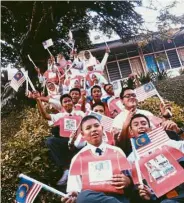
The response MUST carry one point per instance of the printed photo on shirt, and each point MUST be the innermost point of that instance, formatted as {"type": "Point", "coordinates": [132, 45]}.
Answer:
{"type": "Point", "coordinates": [70, 124]}
{"type": "Point", "coordinates": [159, 168]}
{"type": "Point", "coordinates": [100, 171]}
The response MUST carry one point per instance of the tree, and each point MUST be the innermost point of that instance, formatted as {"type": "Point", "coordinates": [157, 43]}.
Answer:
{"type": "Point", "coordinates": [25, 25]}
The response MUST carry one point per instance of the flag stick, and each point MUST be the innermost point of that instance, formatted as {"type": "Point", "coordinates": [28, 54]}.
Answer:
{"type": "Point", "coordinates": [106, 43]}
{"type": "Point", "coordinates": [84, 83]}
{"type": "Point", "coordinates": [31, 61]}
{"type": "Point", "coordinates": [30, 82]}
{"type": "Point", "coordinates": [161, 99]}
{"type": "Point", "coordinates": [66, 44]}
{"type": "Point", "coordinates": [51, 189]}
{"type": "Point", "coordinates": [27, 86]}
{"type": "Point", "coordinates": [136, 156]}
{"type": "Point", "coordinates": [49, 51]}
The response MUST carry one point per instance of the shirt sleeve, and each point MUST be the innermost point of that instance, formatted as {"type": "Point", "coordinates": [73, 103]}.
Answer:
{"type": "Point", "coordinates": [55, 103]}
{"type": "Point", "coordinates": [119, 121]}
{"type": "Point", "coordinates": [104, 60]}
{"type": "Point", "coordinates": [176, 144]}
{"type": "Point", "coordinates": [74, 183]}
{"type": "Point", "coordinates": [56, 117]}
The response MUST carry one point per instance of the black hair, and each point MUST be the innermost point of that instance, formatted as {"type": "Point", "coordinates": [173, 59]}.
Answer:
{"type": "Point", "coordinates": [75, 89]}
{"type": "Point", "coordinates": [123, 91]}
{"type": "Point", "coordinates": [95, 86]}
{"type": "Point", "coordinates": [138, 115]}
{"type": "Point", "coordinates": [86, 118]}
{"type": "Point", "coordinates": [106, 85]}
{"type": "Point", "coordinates": [98, 104]}
{"type": "Point", "coordinates": [64, 96]}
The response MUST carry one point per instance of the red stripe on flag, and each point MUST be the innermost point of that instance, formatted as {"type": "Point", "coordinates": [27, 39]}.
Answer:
{"type": "Point", "coordinates": [33, 193]}
{"type": "Point", "coordinates": [158, 138]}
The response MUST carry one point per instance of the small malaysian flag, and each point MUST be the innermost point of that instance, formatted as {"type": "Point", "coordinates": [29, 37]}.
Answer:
{"type": "Point", "coordinates": [47, 43]}
{"type": "Point", "coordinates": [17, 80]}
{"type": "Point", "coordinates": [145, 91]}
{"type": "Point", "coordinates": [104, 120]}
{"type": "Point", "coordinates": [27, 191]}
{"type": "Point", "coordinates": [148, 142]}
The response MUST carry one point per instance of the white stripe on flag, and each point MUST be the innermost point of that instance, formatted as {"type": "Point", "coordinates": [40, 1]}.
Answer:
{"type": "Point", "coordinates": [158, 138]}
{"type": "Point", "coordinates": [33, 193]}
{"type": "Point", "coordinates": [142, 95]}
{"type": "Point", "coordinates": [106, 123]}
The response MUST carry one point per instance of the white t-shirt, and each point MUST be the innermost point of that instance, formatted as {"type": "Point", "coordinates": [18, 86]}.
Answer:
{"type": "Point", "coordinates": [120, 119]}
{"type": "Point", "coordinates": [74, 181]}
{"type": "Point", "coordinates": [56, 117]}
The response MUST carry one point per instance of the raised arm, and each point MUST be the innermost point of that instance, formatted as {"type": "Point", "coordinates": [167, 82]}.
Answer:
{"type": "Point", "coordinates": [42, 110]}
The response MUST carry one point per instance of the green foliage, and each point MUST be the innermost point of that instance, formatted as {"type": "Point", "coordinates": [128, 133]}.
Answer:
{"type": "Point", "coordinates": [152, 105]}
{"type": "Point", "coordinates": [161, 75]}
{"type": "Point", "coordinates": [172, 89]}
{"type": "Point", "coordinates": [145, 77]}
{"type": "Point", "coordinates": [25, 25]}
{"type": "Point", "coordinates": [24, 151]}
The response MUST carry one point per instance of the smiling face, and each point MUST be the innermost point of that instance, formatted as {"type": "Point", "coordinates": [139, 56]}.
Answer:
{"type": "Point", "coordinates": [139, 126]}
{"type": "Point", "coordinates": [75, 96]}
{"type": "Point", "coordinates": [96, 94]}
{"type": "Point", "coordinates": [109, 90]}
{"type": "Point", "coordinates": [51, 86]}
{"type": "Point", "coordinates": [92, 131]}
{"type": "Point", "coordinates": [129, 99]}
{"type": "Point", "coordinates": [67, 104]}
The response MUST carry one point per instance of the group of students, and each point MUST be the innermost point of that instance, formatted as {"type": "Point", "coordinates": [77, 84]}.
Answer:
{"type": "Point", "coordinates": [98, 169]}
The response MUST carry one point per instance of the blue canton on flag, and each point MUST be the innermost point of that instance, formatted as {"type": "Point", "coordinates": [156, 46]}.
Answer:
{"type": "Point", "coordinates": [18, 75]}
{"type": "Point", "coordinates": [141, 141]}
{"type": "Point", "coordinates": [148, 87]}
{"type": "Point", "coordinates": [17, 80]}
{"type": "Point", "coordinates": [27, 191]}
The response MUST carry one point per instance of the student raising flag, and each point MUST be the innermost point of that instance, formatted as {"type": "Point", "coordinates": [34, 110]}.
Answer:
{"type": "Point", "coordinates": [17, 80]}
{"type": "Point", "coordinates": [147, 142]}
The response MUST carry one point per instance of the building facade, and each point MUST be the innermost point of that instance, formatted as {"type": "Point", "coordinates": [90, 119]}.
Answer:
{"type": "Point", "coordinates": [127, 58]}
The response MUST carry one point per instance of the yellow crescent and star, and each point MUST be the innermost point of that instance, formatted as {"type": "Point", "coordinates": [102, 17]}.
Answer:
{"type": "Point", "coordinates": [140, 141]}
{"type": "Point", "coordinates": [22, 193]}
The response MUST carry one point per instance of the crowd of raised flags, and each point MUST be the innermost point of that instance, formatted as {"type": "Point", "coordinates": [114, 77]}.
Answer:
{"type": "Point", "coordinates": [77, 88]}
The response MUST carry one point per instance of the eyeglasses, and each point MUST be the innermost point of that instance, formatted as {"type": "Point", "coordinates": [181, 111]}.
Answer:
{"type": "Point", "coordinates": [129, 95]}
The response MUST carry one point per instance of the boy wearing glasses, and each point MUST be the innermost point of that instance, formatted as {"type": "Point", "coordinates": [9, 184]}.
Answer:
{"type": "Point", "coordinates": [122, 120]}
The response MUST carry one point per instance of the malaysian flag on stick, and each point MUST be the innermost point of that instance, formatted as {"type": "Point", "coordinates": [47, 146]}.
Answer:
{"type": "Point", "coordinates": [17, 80]}
{"type": "Point", "coordinates": [145, 91]}
{"type": "Point", "coordinates": [148, 142]}
{"type": "Point", "coordinates": [104, 120]}
{"type": "Point", "coordinates": [27, 191]}
{"type": "Point", "coordinates": [29, 188]}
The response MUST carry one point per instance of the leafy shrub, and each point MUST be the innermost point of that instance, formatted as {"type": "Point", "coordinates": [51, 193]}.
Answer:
{"type": "Point", "coordinates": [152, 105]}
{"type": "Point", "coordinates": [145, 77]}
{"type": "Point", "coordinates": [24, 151]}
{"type": "Point", "coordinates": [172, 89]}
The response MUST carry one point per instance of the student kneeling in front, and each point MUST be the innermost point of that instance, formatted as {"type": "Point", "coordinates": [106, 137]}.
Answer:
{"type": "Point", "coordinates": [99, 172]}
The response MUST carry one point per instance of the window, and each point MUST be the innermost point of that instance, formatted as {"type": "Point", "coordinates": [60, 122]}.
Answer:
{"type": "Point", "coordinates": [125, 68]}
{"type": "Point", "coordinates": [113, 71]}
{"type": "Point", "coordinates": [173, 59]}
